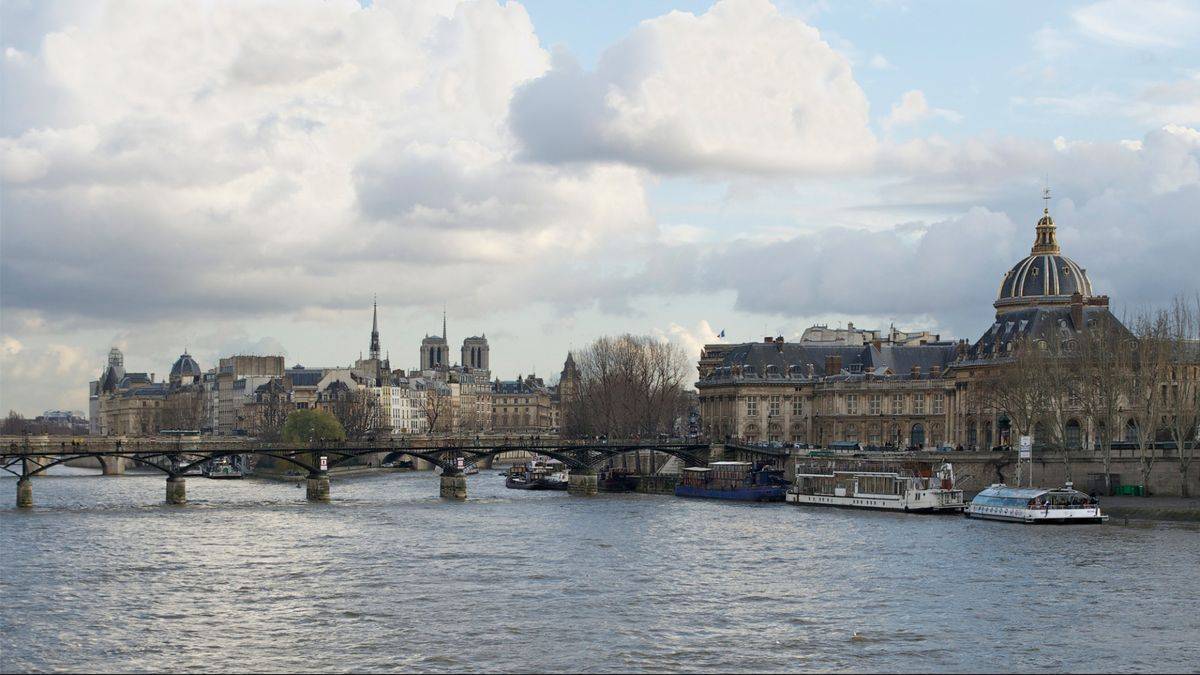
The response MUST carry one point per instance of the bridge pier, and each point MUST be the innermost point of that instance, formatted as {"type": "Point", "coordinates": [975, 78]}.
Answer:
{"type": "Point", "coordinates": [453, 486]}
{"type": "Point", "coordinates": [176, 490]}
{"type": "Point", "coordinates": [112, 466]}
{"type": "Point", "coordinates": [24, 493]}
{"type": "Point", "coordinates": [318, 487]}
{"type": "Point", "coordinates": [583, 484]}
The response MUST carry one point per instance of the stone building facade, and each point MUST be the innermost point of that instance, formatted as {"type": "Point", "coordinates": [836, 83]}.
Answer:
{"type": "Point", "coordinates": [901, 389]}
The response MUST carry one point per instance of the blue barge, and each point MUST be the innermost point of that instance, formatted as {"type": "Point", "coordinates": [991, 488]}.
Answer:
{"type": "Point", "coordinates": [739, 481]}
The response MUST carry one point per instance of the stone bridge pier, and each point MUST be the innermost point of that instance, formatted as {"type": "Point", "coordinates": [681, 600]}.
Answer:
{"type": "Point", "coordinates": [24, 493]}
{"type": "Point", "coordinates": [318, 487]}
{"type": "Point", "coordinates": [453, 485]}
{"type": "Point", "coordinates": [176, 490]}
{"type": "Point", "coordinates": [583, 483]}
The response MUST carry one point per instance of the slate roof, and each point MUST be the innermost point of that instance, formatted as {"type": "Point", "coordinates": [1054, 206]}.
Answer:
{"type": "Point", "coordinates": [1043, 276]}
{"type": "Point", "coordinates": [794, 361]}
{"type": "Point", "coordinates": [1039, 323]}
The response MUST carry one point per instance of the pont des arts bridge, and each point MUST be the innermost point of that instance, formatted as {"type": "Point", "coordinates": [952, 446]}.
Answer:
{"type": "Point", "coordinates": [176, 457]}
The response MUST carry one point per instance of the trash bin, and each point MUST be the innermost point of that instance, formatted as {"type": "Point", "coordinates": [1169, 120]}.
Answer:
{"type": "Point", "coordinates": [1139, 490]}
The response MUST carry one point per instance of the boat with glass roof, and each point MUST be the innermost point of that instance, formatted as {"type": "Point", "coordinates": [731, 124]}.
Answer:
{"type": "Point", "coordinates": [1035, 505]}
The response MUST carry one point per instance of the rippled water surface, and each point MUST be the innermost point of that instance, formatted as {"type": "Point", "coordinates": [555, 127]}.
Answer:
{"type": "Point", "coordinates": [248, 576]}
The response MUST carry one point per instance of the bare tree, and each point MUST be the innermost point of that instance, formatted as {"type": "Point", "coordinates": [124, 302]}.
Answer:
{"type": "Point", "coordinates": [436, 407]}
{"type": "Point", "coordinates": [1105, 362]}
{"type": "Point", "coordinates": [359, 412]}
{"type": "Point", "coordinates": [1148, 368]}
{"type": "Point", "coordinates": [1181, 388]}
{"type": "Point", "coordinates": [1016, 388]}
{"type": "Point", "coordinates": [270, 410]}
{"type": "Point", "coordinates": [629, 385]}
{"type": "Point", "coordinates": [1060, 373]}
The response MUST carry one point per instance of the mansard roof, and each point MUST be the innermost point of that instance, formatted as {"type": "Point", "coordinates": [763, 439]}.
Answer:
{"type": "Point", "coordinates": [1035, 324]}
{"type": "Point", "coordinates": [779, 360]}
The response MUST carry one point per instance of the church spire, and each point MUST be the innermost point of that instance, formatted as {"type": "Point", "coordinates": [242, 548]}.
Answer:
{"type": "Point", "coordinates": [374, 353]}
{"type": "Point", "coordinates": [443, 322]}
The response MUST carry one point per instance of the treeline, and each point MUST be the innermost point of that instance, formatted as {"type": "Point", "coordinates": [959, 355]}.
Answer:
{"type": "Point", "coordinates": [629, 386]}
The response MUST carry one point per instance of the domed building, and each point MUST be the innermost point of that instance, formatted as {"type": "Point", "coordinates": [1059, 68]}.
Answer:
{"type": "Point", "coordinates": [1045, 300]}
{"type": "Point", "coordinates": [1044, 277]}
{"type": "Point", "coordinates": [1044, 297]}
{"type": "Point", "coordinates": [185, 371]}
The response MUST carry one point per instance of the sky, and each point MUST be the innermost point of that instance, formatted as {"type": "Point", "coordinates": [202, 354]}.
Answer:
{"type": "Point", "coordinates": [245, 177]}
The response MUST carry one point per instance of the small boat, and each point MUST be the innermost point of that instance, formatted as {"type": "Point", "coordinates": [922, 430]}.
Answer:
{"type": "Point", "coordinates": [1035, 505]}
{"type": "Point", "coordinates": [537, 474]}
{"type": "Point", "coordinates": [741, 481]}
{"type": "Point", "coordinates": [470, 470]}
{"type": "Point", "coordinates": [861, 485]}
{"type": "Point", "coordinates": [222, 468]}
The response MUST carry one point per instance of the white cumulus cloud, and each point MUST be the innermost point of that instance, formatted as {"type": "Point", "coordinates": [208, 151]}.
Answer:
{"type": "Point", "coordinates": [742, 87]}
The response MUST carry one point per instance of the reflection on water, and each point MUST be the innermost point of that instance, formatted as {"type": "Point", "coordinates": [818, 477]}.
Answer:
{"type": "Point", "coordinates": [102, 575]}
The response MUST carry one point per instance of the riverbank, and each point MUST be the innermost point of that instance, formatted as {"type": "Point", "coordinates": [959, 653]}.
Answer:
{"type": "Point", "coordinates": [1151, 508]}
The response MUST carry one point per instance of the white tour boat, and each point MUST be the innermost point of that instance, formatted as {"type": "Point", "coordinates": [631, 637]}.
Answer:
{"type": "Point", "coordinates": [885, 490]}
{"type": "Point", "coordinates": [1035, 505]}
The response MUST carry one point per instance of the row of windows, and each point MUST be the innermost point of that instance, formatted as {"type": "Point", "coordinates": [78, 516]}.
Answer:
{"type": "Point", "coordinates": [874, 405]}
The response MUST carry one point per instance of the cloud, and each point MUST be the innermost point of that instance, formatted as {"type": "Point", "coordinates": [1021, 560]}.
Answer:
{"type": "Point", "coordinates": [740, 88]}
{"type": "Point", "coordinates": [912, 108]}
{"type": "Point", "coordinates": [692, 340]}
{"type": "Point", "coordinates": [1156, 104]}
{"type": "Point", "coordinates": [272, 160]}
{"type": "Point", "coordinates": [1126, 214]}
{"type": "Point", "coordinates": [1141, 23]}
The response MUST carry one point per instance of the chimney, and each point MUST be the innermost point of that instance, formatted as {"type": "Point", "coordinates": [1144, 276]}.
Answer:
{"type": "Point", "coordinates": [768, 340]}
{"type": "Point", "coordinates": [916, 372]}
{"type": "Point", "coordinates": [833, 364]}
{"type": "Point", "coordinates": [1077, 310]}
{"type": "Point", "coordinates": [877, 343]}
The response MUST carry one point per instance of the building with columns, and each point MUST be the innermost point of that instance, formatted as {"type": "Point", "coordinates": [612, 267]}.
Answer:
{"type": "Point", "coordinates": [898, 389]}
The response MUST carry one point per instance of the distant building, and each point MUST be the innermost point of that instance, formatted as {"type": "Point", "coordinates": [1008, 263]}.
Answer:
{"type": "Point", "coordinates": [237, 379]}
{"type": "Point", "coordinates": [475, 353]}
{"type": "Point", "coordinates": [435, 350]}
{"type": "Point", "coordinates": [521, 406]}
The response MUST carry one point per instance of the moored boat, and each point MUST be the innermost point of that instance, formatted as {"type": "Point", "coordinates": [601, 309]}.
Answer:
{"type": "Point", "coordinates": [537, 474]}
{"type": "Point", "coordinates": [222, 468]}
{"type": "Point", "coordinates": [915, 489]}
{"type": "Point", "coordinates": [739, 481]}
{"type": "Point", "coordinates": [1035, 505]}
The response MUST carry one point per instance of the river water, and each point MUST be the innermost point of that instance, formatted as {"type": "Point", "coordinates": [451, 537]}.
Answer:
{"type": "Point", "coordinates": [101, 575]}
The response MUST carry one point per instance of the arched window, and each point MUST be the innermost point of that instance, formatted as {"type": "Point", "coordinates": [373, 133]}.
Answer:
{"type": "Point", "coordinates": [917, 437]}
{"type": "Point", "coordinates": [852, 432]}
{"type": "Point", "coordinates": [1074, 435]}
{"type": "Point", "coordinates": [1039, 435]}
{"type": "Point", "coordinates": [1131, 432]}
